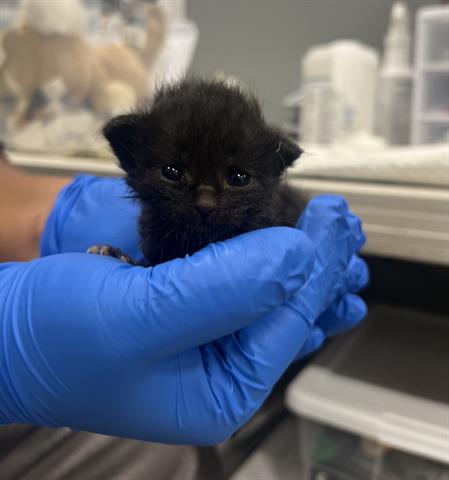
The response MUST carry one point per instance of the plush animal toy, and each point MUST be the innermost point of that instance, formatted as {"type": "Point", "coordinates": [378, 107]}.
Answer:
{"type": "Point", "coordinates": [48, 44]}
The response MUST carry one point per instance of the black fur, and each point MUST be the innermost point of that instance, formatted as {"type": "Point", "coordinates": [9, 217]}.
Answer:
{"type": "Point", "coordinates": [202, 127]}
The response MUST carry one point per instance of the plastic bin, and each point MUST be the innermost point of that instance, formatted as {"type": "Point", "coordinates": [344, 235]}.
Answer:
{"type": "Point", "coordinates": [51, 104]}
{"type": "Point", "coordinates": [374, 406]}
{"type": "Point", "coordinates": [430, 119]}
{"type": "Point", "coordinates": [67, 66]}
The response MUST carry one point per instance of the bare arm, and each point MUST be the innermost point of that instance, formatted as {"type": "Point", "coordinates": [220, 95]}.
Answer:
{"type": "Point", "coordinates": [26, 201]}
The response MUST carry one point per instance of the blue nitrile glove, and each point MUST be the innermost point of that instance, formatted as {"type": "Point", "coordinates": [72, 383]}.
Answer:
{"type": "Point", "coordinates": [94, 211]}
{"type": "Point", "coordinates": [182, 352]}
{"type": "Point", "coordinates": [350, 309]}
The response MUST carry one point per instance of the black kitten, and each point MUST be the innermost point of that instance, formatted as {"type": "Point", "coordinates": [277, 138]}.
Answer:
{"type": "Point", "coordinates": [204, 165]}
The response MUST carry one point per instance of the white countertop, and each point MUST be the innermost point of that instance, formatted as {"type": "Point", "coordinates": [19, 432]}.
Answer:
{"type": "Point", "coordinates": [408, 221]}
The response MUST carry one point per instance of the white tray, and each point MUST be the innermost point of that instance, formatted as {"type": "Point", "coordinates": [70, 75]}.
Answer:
{"type": "Point", "coordinates": [389, 383]}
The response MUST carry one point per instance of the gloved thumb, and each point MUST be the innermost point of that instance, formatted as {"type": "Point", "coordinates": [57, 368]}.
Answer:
{"type": "Point", "coordinates": [178, 305]}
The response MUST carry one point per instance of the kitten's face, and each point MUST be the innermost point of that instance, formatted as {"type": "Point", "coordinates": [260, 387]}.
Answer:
{"type": "Point", "coordinates": [204, 156]}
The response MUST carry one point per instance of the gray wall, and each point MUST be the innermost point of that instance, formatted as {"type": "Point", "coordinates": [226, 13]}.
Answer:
{"type": "Point", "coordinates": [262, 41]}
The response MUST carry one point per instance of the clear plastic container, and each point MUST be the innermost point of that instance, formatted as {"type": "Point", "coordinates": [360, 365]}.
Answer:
{"type": "Point", "coordinates": [338, 86]}
{"type": "Point", "coordinates": [68, 66]}
{"type": "Point", "coordinates": [329, 453]}
{"type": "Point", "coordinates": [374, 406]}
{"type": "Point", "coordinates": [430, 119]}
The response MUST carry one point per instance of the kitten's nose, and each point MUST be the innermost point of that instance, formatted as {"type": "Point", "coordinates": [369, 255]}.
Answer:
{"type": "Point", "coordinates": [206, 200]}
{"type": "Point", "coordinates": [205, 212]}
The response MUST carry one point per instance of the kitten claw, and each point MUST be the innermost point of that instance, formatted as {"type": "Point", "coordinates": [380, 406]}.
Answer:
{"type": "Point", "coordinates": [109, 251]}
{"type": "Point", "coordinates": [94, 250]}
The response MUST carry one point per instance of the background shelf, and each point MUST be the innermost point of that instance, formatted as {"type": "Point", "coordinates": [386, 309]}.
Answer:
{"type": "Point", "coordinates": [409, 222]}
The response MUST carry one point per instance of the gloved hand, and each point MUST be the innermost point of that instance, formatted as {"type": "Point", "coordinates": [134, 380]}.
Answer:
{"type": "Point", "coordinates": [95, 211]}
{"type": "Point", "coordinates": [182, 352]}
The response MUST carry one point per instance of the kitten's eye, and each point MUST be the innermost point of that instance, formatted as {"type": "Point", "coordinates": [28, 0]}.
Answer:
{"type": "Point", "coordinates": [172, 173]}
{"type": "Point", "coordinates": [238, 178]}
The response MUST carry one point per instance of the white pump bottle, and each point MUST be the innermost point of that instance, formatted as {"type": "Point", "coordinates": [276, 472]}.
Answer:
{"type": "Point", "coordinates": [395, 80]}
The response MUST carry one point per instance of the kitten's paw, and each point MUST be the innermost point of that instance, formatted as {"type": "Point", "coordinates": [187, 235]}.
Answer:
{"type": "Point", "coordinates": [111, 252]}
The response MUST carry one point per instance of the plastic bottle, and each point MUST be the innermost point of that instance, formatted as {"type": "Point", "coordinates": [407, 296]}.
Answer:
{"type": "Point", "coordinates": [338, 87]}
{"type": "Point", "coordinates": [394, 92]}
{"type": "Point", "coordinates": [180, 44]}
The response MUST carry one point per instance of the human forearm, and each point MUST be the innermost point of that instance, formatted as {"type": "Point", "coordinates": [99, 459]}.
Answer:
{"type": "Point", "coordinates": [25, 203]}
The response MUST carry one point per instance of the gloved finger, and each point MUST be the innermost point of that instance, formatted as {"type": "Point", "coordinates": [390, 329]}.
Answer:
{"type": "Point", "coordinates": [328, 222]}
{"type": "Point", "coordinates": [313, 343]}
{"type": "Point", "coordinates": [353, 279]}
{"type": "Point", "coordinates": [344, 314]}
{"type": "Point", "coordinates": [92, 211]}
{"type": "Point", "coordinates": [355, 225]}
{"type": "Point", "coordinates": [330, 207]}
{"type": "Point", "coordinates": [180, 304]}
{"type": "Point", "coordinates": [309, 303]}
{"type": "Point", "coordinates": [320, 210]}
{"type": "Point", "coordinates": [356, 276]}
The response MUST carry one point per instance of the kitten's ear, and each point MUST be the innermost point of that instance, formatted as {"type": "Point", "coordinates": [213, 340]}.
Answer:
{"type": "Point", "coordinates": [287, 152]}
{"type": "Point", "coordinates": [122, 134]}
